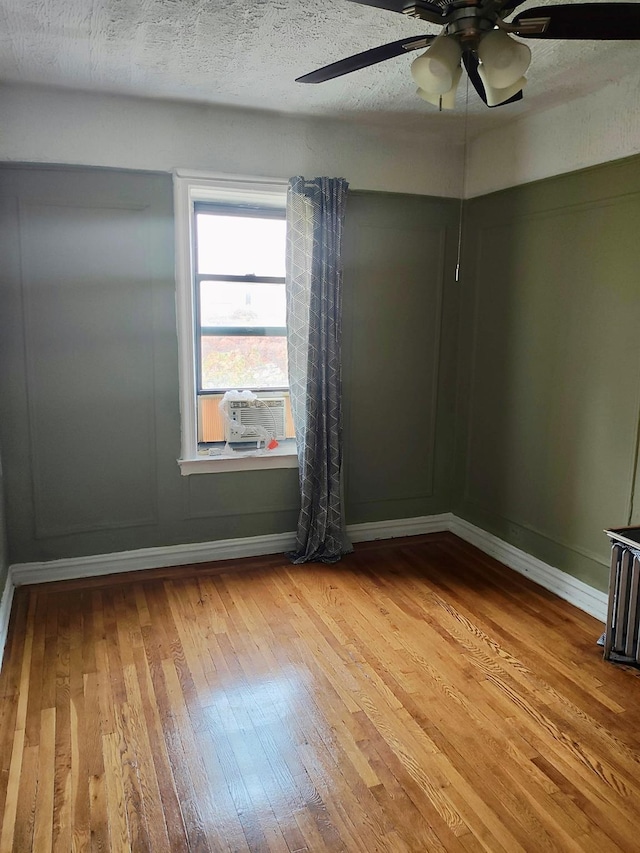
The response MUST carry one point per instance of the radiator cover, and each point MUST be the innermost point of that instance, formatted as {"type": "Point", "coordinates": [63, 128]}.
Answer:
{"type": "Point", "coordinates": [622, 634]}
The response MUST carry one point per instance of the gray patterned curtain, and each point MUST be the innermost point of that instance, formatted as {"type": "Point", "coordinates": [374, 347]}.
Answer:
{"type": "Point", "coordinates": [315, 215]}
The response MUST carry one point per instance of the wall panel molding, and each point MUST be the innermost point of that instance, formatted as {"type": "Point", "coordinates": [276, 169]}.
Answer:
{"type": "Point", "coordinates": [395, 405]}
{"type": "Point", "coordinates": [194, 509]}
{"type": "Point", "coordinates": [34, 259]}
{"type": "Point", "coordinates": [567, 546]}
{"type": "Point", "coordinates": [529, 249]}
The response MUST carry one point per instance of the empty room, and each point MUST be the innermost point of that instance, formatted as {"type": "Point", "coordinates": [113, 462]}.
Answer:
{"type": "Point", "coordinates": [319, 426]}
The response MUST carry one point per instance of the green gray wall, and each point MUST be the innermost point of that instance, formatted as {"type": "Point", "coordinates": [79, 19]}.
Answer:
{"type": "Point", "coordinates": [534, 438]}
{"type": "Point", "coordinates": [400, 326]}
{"type": "Point", "coordinates": [4, 549]}
{"type": "Point", "coordinates": [549, 391]}
{"type": "Point", "coordinates": [89, 419]}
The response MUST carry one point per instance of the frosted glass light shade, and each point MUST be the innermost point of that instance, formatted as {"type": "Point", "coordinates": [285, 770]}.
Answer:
{"type": "Point", "coordinates": [504, 59]}
{"type": "Point", "coordinates": [447, 100]}
{"type": "Point", "coordinates": [499, 96]}
{"type": "Point", "coordinates": [435, 70]}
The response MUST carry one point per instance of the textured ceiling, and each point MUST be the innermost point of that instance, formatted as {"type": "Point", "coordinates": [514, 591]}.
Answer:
{"type": "Point", "coordinates": [247, 53]}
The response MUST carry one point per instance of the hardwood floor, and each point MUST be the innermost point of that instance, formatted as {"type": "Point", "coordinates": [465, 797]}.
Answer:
{"type": "Point", "coordinates": [415, 697]}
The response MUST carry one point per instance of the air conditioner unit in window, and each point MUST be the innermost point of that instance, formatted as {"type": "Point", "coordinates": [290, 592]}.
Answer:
{"type": "Point", "coordinates": [248, 419]}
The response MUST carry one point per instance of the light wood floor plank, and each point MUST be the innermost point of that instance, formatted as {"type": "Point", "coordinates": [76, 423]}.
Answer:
{"type": "Point", "coordinates": [417, 697]}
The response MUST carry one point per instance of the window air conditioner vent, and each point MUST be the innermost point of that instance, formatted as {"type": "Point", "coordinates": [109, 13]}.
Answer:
{"type": "Point", "coordinates": [263, 413]}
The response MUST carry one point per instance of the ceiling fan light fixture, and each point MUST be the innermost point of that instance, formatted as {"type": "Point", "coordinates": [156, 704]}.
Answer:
{"type": "Point", "coordinates": [445, 101]}
{"type": "Point", "coordinates": [496, 96]}
{"type": "Point", "coordinates": [504, 59]}
{"type": "Point", "coordinates": [436, 69]}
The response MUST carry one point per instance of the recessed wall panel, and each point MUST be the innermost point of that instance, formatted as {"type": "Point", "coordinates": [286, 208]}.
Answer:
{"type": "Point", "coordinates": [555, 369]}
{"type": "Point", "coordinates": [89, 365]}
{"type": "Point", "coordinates": [393, 302]}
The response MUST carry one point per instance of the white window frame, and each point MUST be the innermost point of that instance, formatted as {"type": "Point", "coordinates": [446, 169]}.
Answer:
{"type": "Point", "coordinates": [188, 188]}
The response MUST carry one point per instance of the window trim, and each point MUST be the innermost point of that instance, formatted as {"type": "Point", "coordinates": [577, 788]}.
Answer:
{"type": "Point", "coordinates": [189, 188]}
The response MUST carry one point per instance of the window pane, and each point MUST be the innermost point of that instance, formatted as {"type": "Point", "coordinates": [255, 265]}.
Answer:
{"type": "Point", "coordinates": [244, 362]}
{"type": "Point", "coordinates": [240, 245]}
{"type": "Point", "coordinates": [232, 303]}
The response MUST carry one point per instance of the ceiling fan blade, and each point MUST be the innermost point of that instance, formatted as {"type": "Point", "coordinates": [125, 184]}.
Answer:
{"type": "Point", "coordinates": [583, 21]}
{"type": "Point", "coordinates": [366, 58]}
{"type": "Point", "coordinates": [414, 8]}
{"type": "Point", "coordinates": [509, 6]}
{"type": "Point", "coordinates": [471, 64]}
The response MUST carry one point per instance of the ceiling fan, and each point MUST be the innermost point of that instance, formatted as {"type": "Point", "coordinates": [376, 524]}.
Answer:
{"type": "Point", "coordinates": [476, 33]}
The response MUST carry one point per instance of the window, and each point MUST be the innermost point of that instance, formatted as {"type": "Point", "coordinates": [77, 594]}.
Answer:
{"type": "Point", "coordinates": [231, 311]}
{"type": "Point", "coordinates": [240, 299]}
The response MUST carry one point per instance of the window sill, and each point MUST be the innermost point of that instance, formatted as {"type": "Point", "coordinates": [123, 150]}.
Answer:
{"type": "Point", "coordinates": [284, 456]}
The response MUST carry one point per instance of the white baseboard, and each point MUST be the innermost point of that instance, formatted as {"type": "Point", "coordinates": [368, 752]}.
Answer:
{"type": "Point", "coordinates": [571, 589]}
{"type": "Point", "coordinates": [151, 558]}
{"type": "Point", "coordinates": [565, 586]}
{"type": "Point", "coordinates": [395, 527]}
{"type": "Point", "coordinates": [5, 611]}
{"type": "Point", "coordinates": [205, 552]}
